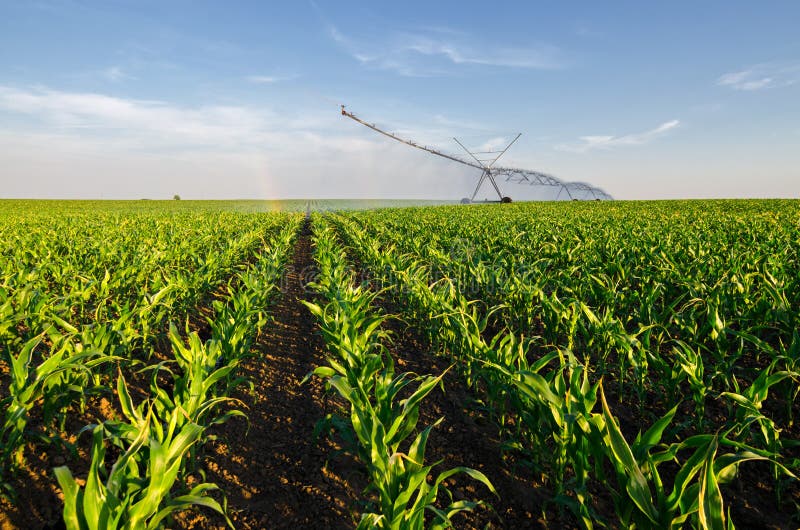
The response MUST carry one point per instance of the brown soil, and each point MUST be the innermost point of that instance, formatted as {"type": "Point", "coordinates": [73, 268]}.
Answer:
{"type": "Point", "coordinates": [274, 474]}
{"type": "Point", "coordinates": [466, 438]}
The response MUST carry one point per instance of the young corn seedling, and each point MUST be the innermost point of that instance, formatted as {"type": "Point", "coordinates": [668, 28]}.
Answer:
{"type": "Point", "coordinates": [136, 491]}
{"type": "Point", "coordinates": [556, 410]}
{"type": "Point", "coordinates": [362, 372]}
{"type": "Point", "coordinates": [689, 365]}
{"type": "Point", "coordinates": [382, 422]}
{"type": "Point", "coordinates": [194, 391]}
{"type": "Point", "coordinates": [54, 381]}
{"type": "Point", "coordinates": [643, 499]}
{"type": "Point", "coordinates": [749, 405]}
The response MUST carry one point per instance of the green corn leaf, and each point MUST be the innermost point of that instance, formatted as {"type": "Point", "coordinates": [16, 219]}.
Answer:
{"type": "Point", "coordinates": [652, 436]}
{"type": "Point", "coordinates": [125, 401]}
{"type": "Point", "coordinates": [636, 484]}
{"type": "Point", "coordinates": [196, 497]}
{"type": "Point", "coordinates": [64, 324]}
{"type": "Point", "coordinates": [711, 512]}
{"type": "Point", "coordinates": [94, 493]}
{"type": "Point", "coordinates": [536, 387]}
{"type": "Point", "coordinates": [72, 497]}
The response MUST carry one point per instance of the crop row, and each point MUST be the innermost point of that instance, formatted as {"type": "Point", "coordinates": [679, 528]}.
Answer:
{"type": "Point", "coordinates": [159, 438]}
{"type": "Point", "coordinates": [384, 404]}
{"type": "Point", "coordinates": [114, 277]}
{"type": "Point", "coordinates": [92, 328]}
{"type": "Point", "coordinates": [546, 393]}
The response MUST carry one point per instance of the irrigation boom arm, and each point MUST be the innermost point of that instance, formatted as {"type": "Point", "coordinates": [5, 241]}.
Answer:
{"type": "Point", "coordinates": [489, 172]}
{"type": "Point", "coordinates": [409, 142]}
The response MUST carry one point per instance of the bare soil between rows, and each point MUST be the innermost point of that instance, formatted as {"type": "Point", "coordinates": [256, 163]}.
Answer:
{"type": "Point", "coordinates": [465, 437]}
{"type": "Point", "coordinates": [272, 471]}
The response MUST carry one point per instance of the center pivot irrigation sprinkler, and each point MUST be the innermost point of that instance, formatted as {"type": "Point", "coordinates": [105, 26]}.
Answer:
{"type": "Point", "coordinates": [489, 172]}
{"type": "Point", "coordinates": [486, 165]}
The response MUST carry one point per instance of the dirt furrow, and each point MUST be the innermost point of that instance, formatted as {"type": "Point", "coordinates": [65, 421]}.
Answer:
{"type": "Point", "coordinates": [274, 474]}
{"type": "Point", "coordinates": [466, 438]}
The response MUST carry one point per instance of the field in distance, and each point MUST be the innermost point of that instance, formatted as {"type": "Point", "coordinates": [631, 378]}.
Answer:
{"type": "Point", "coordinates": [34, 206]}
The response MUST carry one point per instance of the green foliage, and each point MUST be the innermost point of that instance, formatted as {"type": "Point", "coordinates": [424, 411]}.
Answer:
{"type": "Point", "coordinates": [362, 372]}
{"type": "Point", "coordinates": [94, 287]}
{"type": "Point", "coordinates": [663, 299]}
{"type": "Point", "coordinates": [135, 492]}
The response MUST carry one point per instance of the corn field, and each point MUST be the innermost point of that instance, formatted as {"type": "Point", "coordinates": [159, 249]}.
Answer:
{"type": "Point", "coordinates": [637, 363]}
{"type": "Point", "coordinates": [88, 298]}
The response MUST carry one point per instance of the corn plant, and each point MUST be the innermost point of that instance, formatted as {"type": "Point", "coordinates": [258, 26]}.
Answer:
{"type": "Point", "coordinates": [644, 501]}
{"type": "Point", "coordinates": [362, 372]}
{"type": "Point", "coordinates": [749, 413]}
{"type": "Point", "coordinates": [136, 492]}
{"type": "Point", "coordinates": [632, 284]}
{"type": "Point", "coordinates": [54, 382]}
{"type": "Point", "coordinates": [689, 366]}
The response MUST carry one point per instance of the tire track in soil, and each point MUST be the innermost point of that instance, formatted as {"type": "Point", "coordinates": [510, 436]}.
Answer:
{"type": "Point", "coordinates": [274, 476]}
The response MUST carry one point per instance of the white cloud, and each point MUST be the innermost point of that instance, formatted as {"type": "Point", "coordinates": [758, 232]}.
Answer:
{"type": "Point", "coordinates": [72, 144]}
{"type": "Point", "coordinates": [745, 80]}
{"type": "Point", "coordinates": [268, 79]}
{"type": "Point", "coordinates": [161, 126]}
{"type": "Point", "coordinates": [494, 144]}
{"type": "Point", "coordinates": [434, 52]}
{"type": "Point", "coordinates": [761, 76]}
{"type": "Point", "coordinates": [147, 122]}
{"type": "Point", "coordinates": [608, 141]}
{"type": "Point", "coordinates": [543, 57]}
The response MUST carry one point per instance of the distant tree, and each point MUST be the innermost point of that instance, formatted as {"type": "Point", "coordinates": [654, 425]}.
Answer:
{"type": "Point", "coordinates": [176, 197]}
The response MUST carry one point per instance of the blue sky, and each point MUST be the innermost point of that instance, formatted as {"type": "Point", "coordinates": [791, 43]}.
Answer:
{"type": "Point", "coordinates": [124, 99]}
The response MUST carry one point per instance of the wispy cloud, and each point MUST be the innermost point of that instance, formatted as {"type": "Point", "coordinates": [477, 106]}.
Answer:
{"type": "Point", "coordinates": [761, 76]}
{"type": "Point", "coordinates": [437, 51]}
{"type": "Point", "coordinates": [607, 142]}
{"type": "Point", "coordinates": [147, 122]}
{"type": "Point", "coordinates": [269, 79]}
{"type": "Point", "coordinates": [494, 144]}
{"type": "Point", "coordinates": [116, 74]}
{"type": "Point", "coordinates": [149, 126]}
{"type": "Point", "coordinates": [155, 148]}
{"type": "Point", "coordinates": [543, 57]}
{"type": "Point", "coordinates": [745, 80]}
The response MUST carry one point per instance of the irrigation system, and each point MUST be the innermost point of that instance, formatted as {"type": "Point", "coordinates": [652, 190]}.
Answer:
{"type": "Point", "coordinates": [485, 162]}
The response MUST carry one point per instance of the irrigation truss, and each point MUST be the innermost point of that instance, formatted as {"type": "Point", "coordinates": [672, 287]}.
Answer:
{"type": "Point", "coordinates": [490, 173]}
